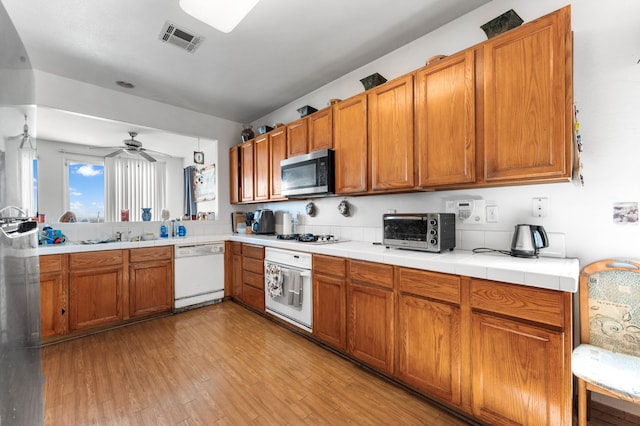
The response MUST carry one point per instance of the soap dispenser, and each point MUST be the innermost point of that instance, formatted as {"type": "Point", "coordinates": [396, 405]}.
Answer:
{"type": "Point", "coordinates": [163, 231]}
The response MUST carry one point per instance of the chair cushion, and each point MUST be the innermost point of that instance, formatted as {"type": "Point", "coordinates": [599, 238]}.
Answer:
{"type": "Point", "coordinates": [615, 372]}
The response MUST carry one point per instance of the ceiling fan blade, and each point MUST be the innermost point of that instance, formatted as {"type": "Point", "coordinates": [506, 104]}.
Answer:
{"type": "Point", "coordinates": [114, 153]}
{"type": "Point", "coordinates": [147, 156]}
{"type": "Point", "coordinates": [156, 152]}
{"type": "Point", "coordinates": [107, 147]}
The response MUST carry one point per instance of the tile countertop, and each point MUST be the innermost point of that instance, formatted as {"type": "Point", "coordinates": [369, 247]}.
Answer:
{"type": "Point", "coordinates": [550, 273]}
{"type": "Point", "coordinates": [78, 248]}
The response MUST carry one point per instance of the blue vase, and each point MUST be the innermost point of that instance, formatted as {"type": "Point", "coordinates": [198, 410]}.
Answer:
{"type": "Point", "coordinates": [146, 214]}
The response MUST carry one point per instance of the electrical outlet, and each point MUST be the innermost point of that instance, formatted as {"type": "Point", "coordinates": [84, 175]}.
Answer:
{"type": "Point", "coordinates": [492, 214]}
{"type": "Point", "coordinates": [540, 207]}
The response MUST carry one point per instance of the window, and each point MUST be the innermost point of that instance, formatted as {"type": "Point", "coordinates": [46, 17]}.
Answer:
{"type": "Point", "coordinates": [85, 190]}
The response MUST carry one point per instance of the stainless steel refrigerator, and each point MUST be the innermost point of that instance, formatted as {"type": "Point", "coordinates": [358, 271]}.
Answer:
{"type": "Point", "coordinates": [21, 378]}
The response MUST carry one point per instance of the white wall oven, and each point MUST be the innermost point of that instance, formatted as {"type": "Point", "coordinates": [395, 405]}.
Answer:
{"type": "Point", "coordinates": [288, 286]}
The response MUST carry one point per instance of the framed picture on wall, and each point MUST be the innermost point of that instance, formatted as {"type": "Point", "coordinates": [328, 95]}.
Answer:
{"type": "Point", "coordinates": [205, 184]}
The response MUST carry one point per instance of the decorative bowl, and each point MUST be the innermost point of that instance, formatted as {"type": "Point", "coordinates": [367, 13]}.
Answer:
{"type": "Point", "coordinates": [372, 81]}
{"type": "Point", "coordinates": [264, 129]}
{"type": "Point", "coordinates": [306, 110]}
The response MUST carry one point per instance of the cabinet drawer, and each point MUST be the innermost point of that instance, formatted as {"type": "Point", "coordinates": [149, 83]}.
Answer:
{"type": "Point", "coordinates": [95, 258]}
{"type": "Point", "coordinates": [256, 252]}
{"type": "Point", "coordinates": [254, 280]}
{"type": "Point", "coordinates": [253, 265]}
{"type": "Point", "coordinates": [329, 265]}
{"type": "Point", "coordinates": [253, 297]}
{"type": "Point", "coordinates": [371, 273]}
{"type": "Point", "coordinates": [534, 304]}
{"type": "Point", "coordinates": [150, 253]}
{"type": "Point", "coordinates": [50, 263]}
{"type": "Point", "coordinates": [430, 284]}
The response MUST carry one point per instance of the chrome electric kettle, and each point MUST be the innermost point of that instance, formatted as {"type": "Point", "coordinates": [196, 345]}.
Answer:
{"type": "Point", "coordinates": [528, 240]}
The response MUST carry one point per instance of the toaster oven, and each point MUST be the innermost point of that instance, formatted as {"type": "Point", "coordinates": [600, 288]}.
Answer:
{"type": "Point", "coordinates": [433, 232]}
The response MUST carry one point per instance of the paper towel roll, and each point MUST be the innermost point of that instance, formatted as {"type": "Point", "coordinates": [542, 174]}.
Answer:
{"type": "Point", "coordinates": [286, 223]}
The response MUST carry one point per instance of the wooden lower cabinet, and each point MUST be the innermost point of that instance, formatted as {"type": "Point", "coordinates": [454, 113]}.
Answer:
{"type": "Point", "coordinates": [330, 301]}
{"type": "Point", "coordinates": [498, 352]}
{"type": "Point", "coordinates": [150, 281]}
{"type": "Point", "coordinates": [371, 314]}
{"type": "Point", "coordinates": [95, 296]}
{"type": "Point", "coordinates": [520, 354]}
{"type": "Point", "coordinates": [53, 295]}
{"type": "Point", "coordinates": [429, 333]}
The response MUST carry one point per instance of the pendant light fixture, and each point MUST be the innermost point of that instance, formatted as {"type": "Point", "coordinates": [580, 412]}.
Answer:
{"type": "Point", "coordinates": [223, 15]}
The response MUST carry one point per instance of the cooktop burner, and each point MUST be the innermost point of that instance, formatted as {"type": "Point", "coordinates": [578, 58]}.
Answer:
{"type": "Point", "coordinates": [308, 238]}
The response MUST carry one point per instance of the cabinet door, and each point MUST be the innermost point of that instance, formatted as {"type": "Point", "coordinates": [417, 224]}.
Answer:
{"type": "Point", "coordinates": [236, 289]}
{"type": "Point", "coordinates": [445, 121]}
{"type": "Point", "coordinates": [330, 310]}
{"type": "Point", "coordinates": [150, 287]}
{"type": "Point", "coordinates": [350, 141]}
{"type": "Point", "coordinates": [370, 326]}
{"type": "Point", "coordinates": [95, 297]}
{"type": "Point", "coordinates": [321, 130]}
{"type": "Point", "coordinates": [261, 168]}
{"type": "Point", "coordinates": [528, 102]}
{"type": "Point", "coordinates": [234, 175]}
{"type": "Point", "coordinates": [429, 346]}
{"type": "Point", "coordinates": [390, 121]}
{"type": "Point", "coordinates": [509, 355]}
{"type": "Point", "coordinates": [297, 138]}
{"type": "Point", "coordinates": [246, 167]}
{"type": "Point", "coordinates": [53, 320]}
{"type": "Point", "coordinates": [277, 152]}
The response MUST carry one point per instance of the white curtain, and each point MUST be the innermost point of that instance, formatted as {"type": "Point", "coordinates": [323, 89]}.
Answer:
{"type": "Point", "coordinates": [133, 184]}
{"type": "Point", "coordinates": [25, 161]}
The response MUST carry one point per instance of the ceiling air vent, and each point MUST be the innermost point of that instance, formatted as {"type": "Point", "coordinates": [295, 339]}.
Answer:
{"type": "Point", "coordinates": [180, 37]}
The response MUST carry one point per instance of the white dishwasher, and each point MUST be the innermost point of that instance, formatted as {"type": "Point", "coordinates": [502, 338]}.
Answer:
{"type": "Point", "coordinates": [198, 274]}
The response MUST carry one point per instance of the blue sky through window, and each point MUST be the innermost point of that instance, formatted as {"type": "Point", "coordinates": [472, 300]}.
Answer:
{"type": "Point", "coordinates": [86, 191]}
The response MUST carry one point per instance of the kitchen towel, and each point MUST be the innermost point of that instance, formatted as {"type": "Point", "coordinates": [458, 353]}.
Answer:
{"type": "Point", "coordinates": [273, 278]}
{"type": "Point", "coordinates": [295, 289]}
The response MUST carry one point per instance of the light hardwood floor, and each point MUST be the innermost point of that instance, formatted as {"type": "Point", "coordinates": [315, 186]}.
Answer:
{"type": "Point", "coordinates": [217, 365]}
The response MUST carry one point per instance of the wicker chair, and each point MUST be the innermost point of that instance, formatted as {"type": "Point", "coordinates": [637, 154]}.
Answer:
{"type": "Point", "coordinates": [607, 361]}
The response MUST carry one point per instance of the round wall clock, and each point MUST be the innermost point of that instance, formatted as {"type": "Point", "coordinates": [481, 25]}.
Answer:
{"type": "Point", "coordinates": [198, 157]}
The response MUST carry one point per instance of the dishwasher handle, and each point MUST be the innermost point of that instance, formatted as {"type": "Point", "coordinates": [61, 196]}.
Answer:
{"type": "Point", "coordinates": [193, 250]}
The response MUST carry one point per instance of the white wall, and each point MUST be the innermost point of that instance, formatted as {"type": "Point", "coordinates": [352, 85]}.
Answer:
{"type": "Point", "coordinates": [607, 94]}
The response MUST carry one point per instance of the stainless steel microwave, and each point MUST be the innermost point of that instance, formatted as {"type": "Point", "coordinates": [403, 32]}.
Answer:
{"type": "Point", "coordinates": [308, 175]}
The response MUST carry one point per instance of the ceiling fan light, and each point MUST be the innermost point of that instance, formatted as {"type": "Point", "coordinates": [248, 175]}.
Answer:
{"type": "Point", "coordinates": [223, 15]}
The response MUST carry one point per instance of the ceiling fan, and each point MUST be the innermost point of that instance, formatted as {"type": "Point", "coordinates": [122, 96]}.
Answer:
{"type": "Point", "coordinates": [25, 137]}
{"type": "Point", "coordinates": [132, 146]}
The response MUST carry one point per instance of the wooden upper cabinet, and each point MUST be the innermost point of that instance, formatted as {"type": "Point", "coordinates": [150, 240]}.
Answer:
{"type": "Point", "coordinates": [528, 102]}
{"type": "Point", "coordinates": [350, 144]}
{"type": "Point", "coordinates": [246, 168]}
{"type": "Point", "coordinates": [234, 175]}
{"type": "Point", "coordinates": [390, 131]}
{"type": "Point", "coordinates": [297, 138]}
{"type": "Point", "coordinates": [277, 152]}
{"type": "Point", "coordinates": [321, 130]}
{"type": "Point", "coordinates": [445, 121]}
{"type": "Point", "coordinates": [261, 173]}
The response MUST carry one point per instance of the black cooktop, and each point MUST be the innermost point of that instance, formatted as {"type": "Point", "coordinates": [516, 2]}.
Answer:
{"type": "Point", "coordinates": [307, 238]}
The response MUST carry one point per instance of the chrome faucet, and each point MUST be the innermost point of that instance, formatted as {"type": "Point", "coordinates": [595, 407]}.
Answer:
{"type": "Point", "coordinates": [118, 236]}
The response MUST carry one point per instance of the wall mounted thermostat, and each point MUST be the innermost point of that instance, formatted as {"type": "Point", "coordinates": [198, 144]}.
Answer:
{"type": "Point", "coordinates": [468, 211]}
